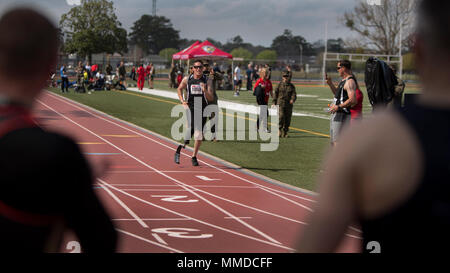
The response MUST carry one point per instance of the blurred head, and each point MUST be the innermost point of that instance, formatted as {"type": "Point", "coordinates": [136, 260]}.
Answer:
{"type": "Point", "coordinates": [198, 68]}
{"type": "Point", "coordinates": [432, 45]}
{"type": "Point", "coordinates": [205, 66]}
{"type": "Point", "coordinates": [263, 73]}
{"type": "Point", "coordinates": [27, 37]}
{"type": "Point", "coordinates": [285, 76]}
{"type": "Point", "coordinates": [344, 68]}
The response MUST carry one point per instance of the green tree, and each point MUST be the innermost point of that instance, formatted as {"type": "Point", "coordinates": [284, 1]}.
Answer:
{"type": "Point", "coordinates": [289, 45]}
{"type": "Point", "coordinates": [167, 53]}
{"type": "Point", "coordinates": [93, 28]}
{"type": "Point", "coordinates": [241, 53]}
{"type": "Point", "coordinates": [267, 55]}
{"type": "Point", "coordinates": [154, 33]}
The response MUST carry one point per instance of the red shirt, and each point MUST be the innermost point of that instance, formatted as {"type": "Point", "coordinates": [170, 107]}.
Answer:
{"type": "Point", "coordinates": [356, 111]}
{"type": "Point", "coordinates": [267, 89]}
{"type": "Point", "coordinates": [141, 72]}
{"type": "Point", "coordinates": [147, 70]}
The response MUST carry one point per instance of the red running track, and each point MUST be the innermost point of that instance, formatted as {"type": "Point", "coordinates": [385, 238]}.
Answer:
{"type": "Point", "coordinates": [159, 206]}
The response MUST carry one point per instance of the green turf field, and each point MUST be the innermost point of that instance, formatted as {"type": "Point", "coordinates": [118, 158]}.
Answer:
{"type": "Point", "coordinates": [297, 160]}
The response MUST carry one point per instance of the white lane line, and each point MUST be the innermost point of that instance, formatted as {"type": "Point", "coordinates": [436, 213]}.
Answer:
{"type": "Point", "coordinates": [159, 239]}
{"type": "Point", "coordinates": [153, 219]}
{"type": "Point", "coordinates": [173, 149]}
{"type": "Point", "coordinates": [183, 185]}
{"type": "Point", "coordinates": [139, 220]}
{"type": "Point", "coordinates": [197, 186]}
{"type": "Point", "coordinates": [244, 217]}
{"type": "Point", "coordinates": [200, 221]}
{"type": "Point", "coordinates": [200, 172]}
{"type": "Point", "coordinates": [148, 241]}
{"type": "Point", "coordinates": [287, 199]}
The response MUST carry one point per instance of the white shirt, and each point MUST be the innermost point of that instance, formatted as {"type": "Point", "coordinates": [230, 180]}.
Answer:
{"type": "Point", "coordinates": [237, 74]}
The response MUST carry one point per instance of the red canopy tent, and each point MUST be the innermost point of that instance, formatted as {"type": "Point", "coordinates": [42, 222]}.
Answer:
{"type": "Point", "coordinates": [206, 50]}
{"type": "Point", "coordinates": [182, 54]}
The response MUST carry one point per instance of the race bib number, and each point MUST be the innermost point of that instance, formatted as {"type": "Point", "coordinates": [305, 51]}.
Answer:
{"type": "Point", "coordinates": [196, 89]}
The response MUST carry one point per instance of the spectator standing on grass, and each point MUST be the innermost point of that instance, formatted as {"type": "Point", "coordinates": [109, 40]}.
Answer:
{"type": "Point", "coordinates": [141, 77]}
{"type": "Point", "coordinates": [173, 76]}
{"type": "Point", "coordinates": [88, 69]}
{"type": "Point", "coordinates": [229, 75]}
{"type": "Point", "coordinates": [237, 80]}
{"type": "Point", "coordinates": [123, 74]}
{"type": "Point", "coordinates": [262, 91]}
{"type": "Point", "coordinates": [151, 76]}
{"type": "Point", "coordinates": [256, 73]}
{"type": "Point", "coordinates": [80, 77]}
{"type": "Point", "coordinates": [133, 73]}
{"type": "Point", "coordinates": [47, 183]}
{"type": "Point", "coordinates": [249, 73]}
{"type": "Point", "coordinates": [390, 174]}
{"type": "Point", "coordinates": [269, 71]}
{"type": "Point", "coordinates": [285, 97]}
{"type": "Point", "coordinates": [64, 79]}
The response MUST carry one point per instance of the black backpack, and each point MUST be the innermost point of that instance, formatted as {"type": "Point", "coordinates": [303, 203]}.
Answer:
{"type": "Point", "coordinates": [380, 82]}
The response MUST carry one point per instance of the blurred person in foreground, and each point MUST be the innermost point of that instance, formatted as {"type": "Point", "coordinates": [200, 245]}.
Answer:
{"type": "Point", "coordinates": [391, 172]}
{"type": "Point", "coordinates": [47, 184]}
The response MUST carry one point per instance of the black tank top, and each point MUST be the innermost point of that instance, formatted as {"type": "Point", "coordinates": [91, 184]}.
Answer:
{"type": "Point", "coordinates": [422, 223]}
{"type": "Point", "coordinates": [194, 90]}
{"type": "Point", "coordinates": [342, 95]}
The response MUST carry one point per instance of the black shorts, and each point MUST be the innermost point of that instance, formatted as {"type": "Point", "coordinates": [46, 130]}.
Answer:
{"type": "Point", "coordinates": [192, 123]}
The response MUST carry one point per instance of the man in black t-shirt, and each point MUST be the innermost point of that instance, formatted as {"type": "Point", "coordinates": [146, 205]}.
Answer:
{"type": "Point", "coordinates": [46, 184]}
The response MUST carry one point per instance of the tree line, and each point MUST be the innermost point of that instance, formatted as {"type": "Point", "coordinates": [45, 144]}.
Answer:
{"type": "Point", "coordinates": [93, 28]}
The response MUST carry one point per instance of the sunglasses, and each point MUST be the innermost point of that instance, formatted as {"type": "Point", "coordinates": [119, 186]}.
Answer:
{"type": "Point", "coordinates": [339, 67]}
{"type": "Point", "coordinates": [198, 67]}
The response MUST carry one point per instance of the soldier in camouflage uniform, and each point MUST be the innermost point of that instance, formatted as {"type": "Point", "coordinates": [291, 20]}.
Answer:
{"type": "Point", "coordinates": [285, 96]}
{"type": "Point", "coordinates": [213, 78]}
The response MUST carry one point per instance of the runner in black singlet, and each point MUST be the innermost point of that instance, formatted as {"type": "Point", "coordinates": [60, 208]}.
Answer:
{"type": "Point", "coordinates": [198, 93]}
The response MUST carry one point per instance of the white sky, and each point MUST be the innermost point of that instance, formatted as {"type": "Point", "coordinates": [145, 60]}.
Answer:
{"type": "Point", "coordinates": [256, 21]}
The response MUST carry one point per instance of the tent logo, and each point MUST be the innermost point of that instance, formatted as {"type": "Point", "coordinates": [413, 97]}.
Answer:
{"type": "Point", "coordinates": [208, 49]}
